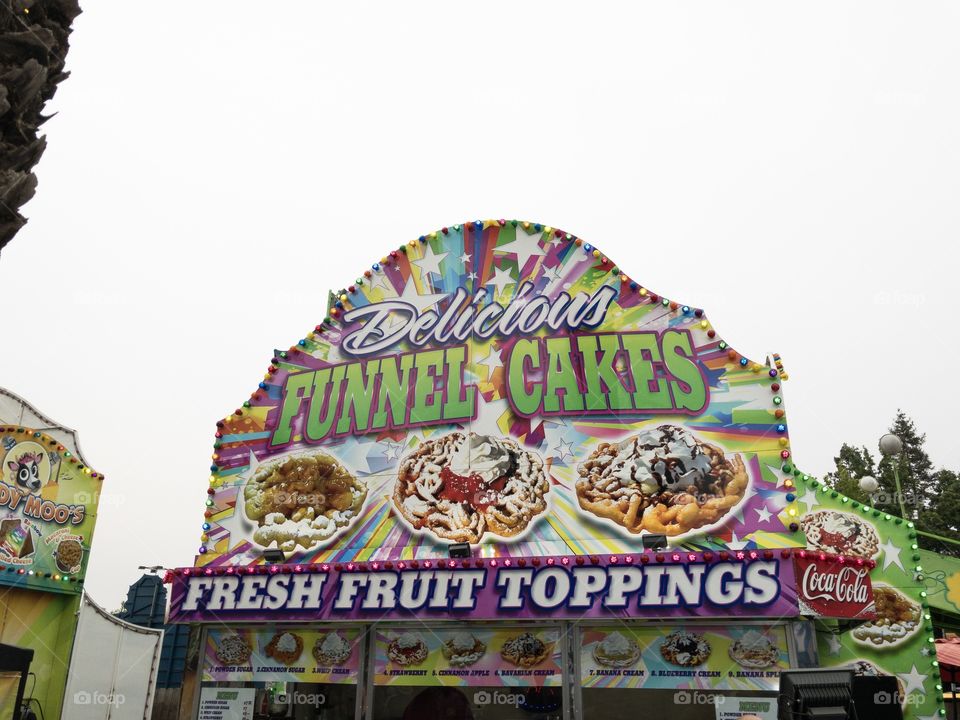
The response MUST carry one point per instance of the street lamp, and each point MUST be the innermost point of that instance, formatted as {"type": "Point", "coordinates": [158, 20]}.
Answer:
{"type": "Point", "coordinates": [891, 445]}
{"type": "Point", "coordinates": [869, 484]}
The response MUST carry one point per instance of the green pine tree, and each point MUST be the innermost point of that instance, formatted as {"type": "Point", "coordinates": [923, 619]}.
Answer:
{"type": "Point", "coordinates": [931, 498]}
{"type": "Point", "coordinates": [913, 468]}
{"type": "Point", "coordinates": [943, 515]}
{"type": "Point", "coordinates": [852, 464]}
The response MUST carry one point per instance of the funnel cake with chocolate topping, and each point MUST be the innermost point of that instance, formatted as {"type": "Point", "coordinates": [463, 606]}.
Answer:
{"type": "Point", "coordinates": [525, 650]}
{"type": "Point", "coordinates": [460, 487]}
{"type": "Point", "coordinates": [661, 480]}
{"type": "Point", "coordinates": [301, 500]}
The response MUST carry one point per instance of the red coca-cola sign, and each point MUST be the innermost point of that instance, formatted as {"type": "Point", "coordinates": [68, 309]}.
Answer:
{"type": "Point", "coordinates": [834, 587]}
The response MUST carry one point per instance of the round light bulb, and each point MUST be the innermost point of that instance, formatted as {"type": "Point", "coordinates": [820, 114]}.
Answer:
{"type": "Point", "coordinates": [890, 444]}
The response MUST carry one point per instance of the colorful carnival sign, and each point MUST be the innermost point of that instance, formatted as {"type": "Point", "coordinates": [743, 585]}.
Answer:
{"type": "Point", "coordinates": [502, 390]}
{"type": "Point", "coordinates": [504, 385]}
{"type": "Point", "coordinates": [648, 585]}
{"type": "Point", "coordinates": [48, 503]}
{"type": "Point", "coordinates": [898, 639]}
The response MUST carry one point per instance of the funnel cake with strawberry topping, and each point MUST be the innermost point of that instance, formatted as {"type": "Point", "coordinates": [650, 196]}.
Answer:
{"type": "Point", "coordinates": [461, 486]}
{"type": "Point", "coordinates": [662, 480]}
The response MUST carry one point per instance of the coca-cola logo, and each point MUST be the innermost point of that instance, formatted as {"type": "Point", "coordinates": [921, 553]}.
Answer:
{"type": "Point", "coordinates": [836, 584]}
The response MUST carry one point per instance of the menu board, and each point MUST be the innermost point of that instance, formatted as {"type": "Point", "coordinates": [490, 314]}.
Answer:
{"type": "Point", "coordinates": [732, 657]}
{"type": "Point", "coordinates": [317, 655]}
{"type": "Point", "coordinates": [226, 703]}
{"type": "Point", "coordinates": [509, 657]}
{"type": "Point", "coordinates": [748, 708]}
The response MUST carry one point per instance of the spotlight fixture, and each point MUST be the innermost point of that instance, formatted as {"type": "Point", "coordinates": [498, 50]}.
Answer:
{"type": "Point", "coordinates": [459, 551]}
{"type": "Point", "coordinates": [654, 542]}
{"type": "Point", "coordinates": [273, 556]}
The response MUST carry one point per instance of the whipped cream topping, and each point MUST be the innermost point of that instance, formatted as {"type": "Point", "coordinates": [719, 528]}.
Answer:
{"type": "Point", "coordinates": [483, 455]}
{"type": "Point", "coordinates": [287, 643]}
{"type": "Point", "coordinates": [662, 458]}
{"type": "Point", "coordinates": [615, 644]}
{"type": "Point", "coordinates": [838, 524]}
{"type": "Point", "coordinates": [408, 641]}
{"type": "Point", "coordinates": [463, 641]}
{"type": "Point", "coordinates": [752, 640]}
{"type": "Point", "coordinates": [333, 645]}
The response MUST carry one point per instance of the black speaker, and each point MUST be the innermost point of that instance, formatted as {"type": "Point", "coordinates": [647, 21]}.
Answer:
{"type": "Point", "coordinates": [273, 556]}
{"type": "Point", "coordinates": [653, 541]}
{"type": "Point", "coordinates": [877, 697]}
{"type": "Point", "coordinates": [459, 550]}
{"type": "Point", "coordinates": [815, 694]}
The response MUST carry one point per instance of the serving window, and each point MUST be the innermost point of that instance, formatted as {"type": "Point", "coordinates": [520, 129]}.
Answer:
{"type": "Point", "coordinates": [462, 672]}
{"type": "Point", "coordinates": [704, 672]}
{"type": "Point", "coordinates": [267, 672]}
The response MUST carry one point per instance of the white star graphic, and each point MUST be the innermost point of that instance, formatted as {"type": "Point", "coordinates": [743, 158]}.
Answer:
{"type": "Point", "coordinates": [763, 513]}
{"type": "Point", "coordinates": [252, 466]}
{"type": "Point", "coordinates": [809, 498]}
{"type": "Point", "coordinates": [524, 247]}
{"type": "Point", "coordinates": [357, 455]}
{"type": "Point", "coordinates": [891, 555]}
{"type": "Point", "coordinates": [492, 361]}
{"type": "Point", "coordinates": [776, 472]}
{"type": "Point", "coordinates": [913, 680]}
{"type": "Point", "coordinates": [736, 543]}
{"type": "Point", "coordinates": [421, 302]}
{"type": "Point", "coordinates": [501, 278]}
{"type": "Point", "coordinates": [471, 276]}
{"type": "Point", "coordinates": [430, 262]}
{"type": "Point", "coordinates": [465, 258]}
{"type": "Point", "coordinates": [552, 273]}
{"type": "Point", "coordinates": [834, 644]}
{"type": "Point", "coordinates": [380, 280]}
{"type": "Point", "coordinates": [564, 448]}
{"type": "Point", "coordinates": [392, 451]}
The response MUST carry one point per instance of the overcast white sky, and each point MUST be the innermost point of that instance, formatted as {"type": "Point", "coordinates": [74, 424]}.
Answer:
{"type": "Point", "coordinates": [793, 169]}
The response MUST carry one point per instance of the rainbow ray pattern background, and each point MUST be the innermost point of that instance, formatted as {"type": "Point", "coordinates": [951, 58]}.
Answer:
{"type": "Point", "coordinates": [744, 415]}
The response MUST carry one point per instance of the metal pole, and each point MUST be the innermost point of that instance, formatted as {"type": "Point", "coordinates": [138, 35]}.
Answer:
{"type": "Point", "coordinates": [941, 538]}
{"type": "Point", "coordinates": [153, 605]}
{"type": "Point", "coordinates": [896, 479]}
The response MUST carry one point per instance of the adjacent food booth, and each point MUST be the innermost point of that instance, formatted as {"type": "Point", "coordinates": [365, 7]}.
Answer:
{"type": "Point", "coordinates": [504, 479]}
{"type": "Point", "coordinates": [48, 510]}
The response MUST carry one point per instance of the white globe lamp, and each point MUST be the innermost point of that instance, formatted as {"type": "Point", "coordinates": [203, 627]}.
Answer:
{"type": "Point", "coordinates": [890, 444]}
{"type": "Point", "coordinates": [869, 484]}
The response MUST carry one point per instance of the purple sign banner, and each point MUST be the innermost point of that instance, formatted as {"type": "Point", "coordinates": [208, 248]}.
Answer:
{"type": "Point", "coordinates": [751, 583]}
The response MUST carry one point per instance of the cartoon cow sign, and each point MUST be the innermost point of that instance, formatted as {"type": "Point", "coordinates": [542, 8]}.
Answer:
{"type": "Point", "coordinates": [26, 471]}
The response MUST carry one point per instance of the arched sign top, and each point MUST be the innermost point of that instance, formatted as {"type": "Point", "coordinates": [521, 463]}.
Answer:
{"type": "Point", "coordinates": [506, 385]}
